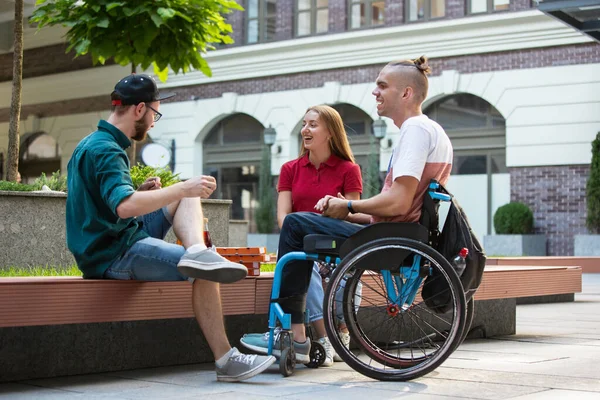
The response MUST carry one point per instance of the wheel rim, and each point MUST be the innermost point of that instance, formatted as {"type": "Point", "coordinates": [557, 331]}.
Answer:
{"type": "Point", "coordinates": [393, 339]}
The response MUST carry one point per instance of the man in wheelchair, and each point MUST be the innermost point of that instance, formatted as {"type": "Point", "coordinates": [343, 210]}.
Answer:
{"type": "Point", "coordinates": [423, 153]}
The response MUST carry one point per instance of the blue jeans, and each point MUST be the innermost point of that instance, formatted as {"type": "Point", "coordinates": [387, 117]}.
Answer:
{"type": "Point", "coordinates": [315, 296]}
{"type": "Point", "coordinates": [150, 259]}
{"type": "Point", "coordinates": [296, 275]}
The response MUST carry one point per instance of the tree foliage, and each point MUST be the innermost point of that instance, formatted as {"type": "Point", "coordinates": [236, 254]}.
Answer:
{"type": "Point", "coordinates": [265, 213]}
{"type": "Point", "coordinates": [162, 33]}
{"type": "Point", "coordinates": [593, 189]}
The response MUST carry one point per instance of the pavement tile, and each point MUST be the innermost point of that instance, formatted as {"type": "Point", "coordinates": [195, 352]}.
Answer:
{"type": "Point", "coordinates": [534, 380]}
{"type": "Point", "coordinates": [559, 395]}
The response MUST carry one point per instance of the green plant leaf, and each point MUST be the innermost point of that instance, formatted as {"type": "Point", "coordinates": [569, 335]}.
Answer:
{"type": "Point", "coordinates": [162, 74]}
{"type": "Point", "coordinates": [103, 23]}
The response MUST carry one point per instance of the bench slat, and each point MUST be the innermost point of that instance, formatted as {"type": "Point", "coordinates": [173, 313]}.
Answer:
{"type": "Point", "coordinates": [72, 300]}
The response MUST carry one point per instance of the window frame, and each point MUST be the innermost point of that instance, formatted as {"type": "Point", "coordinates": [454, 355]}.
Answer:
{"type": "Point", "coordinates": [261, 20]}
{"type": "Point", "coordinates": [427, 12]}
{"type": "Point", "coordinates": [368, 14]}
{"type": "Point", "coordinates": [489, 10]}
{"type": "Point", "coordinates": [313, 11]}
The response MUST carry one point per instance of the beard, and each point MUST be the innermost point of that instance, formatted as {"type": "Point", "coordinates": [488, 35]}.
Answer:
{"type": "Point", "coordinates": [141, 130]}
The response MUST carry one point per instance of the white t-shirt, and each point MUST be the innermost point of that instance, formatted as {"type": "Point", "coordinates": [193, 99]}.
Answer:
{"type": "Point", "coordinates": [424, 152]}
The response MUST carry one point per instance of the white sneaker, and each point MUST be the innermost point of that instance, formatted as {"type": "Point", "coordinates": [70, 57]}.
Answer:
{"type": "Point", "coordinates": [345, 339]}
{"type": "Point", "coordinates": [329, 352]}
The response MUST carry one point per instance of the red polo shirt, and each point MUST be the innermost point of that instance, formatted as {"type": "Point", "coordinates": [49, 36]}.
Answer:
{"type": "Point", "coordinates": [309, 184]}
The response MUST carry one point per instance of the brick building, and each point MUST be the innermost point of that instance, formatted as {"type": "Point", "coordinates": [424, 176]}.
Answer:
{"type": "Point", "coordinates": [517, 91]}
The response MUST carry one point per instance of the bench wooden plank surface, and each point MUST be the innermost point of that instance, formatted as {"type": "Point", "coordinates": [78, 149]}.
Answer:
{"type": "Point", "coordinates": [70, 300]}
{"type": "Point", "coordinates": [587, 264]}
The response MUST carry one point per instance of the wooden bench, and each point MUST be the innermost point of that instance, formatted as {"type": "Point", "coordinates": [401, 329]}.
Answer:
{"type": "Point", "coordinates": [588, 264]}
{"type": "Point", "coordinates": [52, 326]}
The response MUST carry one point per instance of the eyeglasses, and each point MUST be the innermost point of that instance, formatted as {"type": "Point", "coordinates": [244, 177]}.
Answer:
{"type": "Point", "coordinates": [157, 115]}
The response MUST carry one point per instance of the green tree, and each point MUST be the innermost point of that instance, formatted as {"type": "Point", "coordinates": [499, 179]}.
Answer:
{"type": "Point", "coordinates": [593, 189]}
{"type": "Point", "coordinates": [161, 33]}
{"type": "Point", "coordinates": [265, 213]}
{"type": "Point", "coordinates": [15, 102]}
{"type": "Point", "coordinates": [371, 186]}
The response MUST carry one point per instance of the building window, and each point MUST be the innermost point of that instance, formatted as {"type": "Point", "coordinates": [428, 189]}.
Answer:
{"type": "Point", "coordinates": [487, 6]}
{"type": "Point", "coordinates": [312, 17]}
{"type": "Point", "coordinates": [39, 154]}
{"type": "Point", "coordinates": [424, 10]}
{"type": "Point", "coordinates": [261, 19]}
{"type": "Point", "coordinates": [363, 13]}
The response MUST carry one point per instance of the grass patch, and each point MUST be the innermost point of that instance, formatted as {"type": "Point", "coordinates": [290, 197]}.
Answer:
{"type": "Point", "coordinates": [267, 267]}
{"type": "Point", "coordinates": [40, 271]}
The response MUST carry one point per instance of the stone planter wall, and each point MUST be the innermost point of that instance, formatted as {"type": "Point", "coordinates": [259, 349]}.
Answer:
{"type": "Point", "coordinates": [587, 245]}
{"type": "Point", "coordinates": [515, 245]}
{"type": "Point", "coordinates": [33, 231]}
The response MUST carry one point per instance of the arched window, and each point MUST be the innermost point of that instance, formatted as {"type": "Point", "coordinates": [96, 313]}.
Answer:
{"type": "Point", "coordinates": [40, 153]}
{"type": "Point", "coordinates": [478, 134]}
{"type": "Point", "coordinates": [477, 131]}
{"type": "Point", "coordinates": [232, 154]}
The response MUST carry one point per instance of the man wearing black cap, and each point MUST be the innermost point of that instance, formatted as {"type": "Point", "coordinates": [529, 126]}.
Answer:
{"type": "Point", "coordinates": [115, 232]}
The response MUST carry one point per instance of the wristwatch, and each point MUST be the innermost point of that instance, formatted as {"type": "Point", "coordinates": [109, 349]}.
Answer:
{"type": "Point", "coordinates": [350, 207]}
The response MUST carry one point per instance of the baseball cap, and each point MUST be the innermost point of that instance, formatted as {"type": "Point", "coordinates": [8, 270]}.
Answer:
{"type": "Point", "coordinates": [135, 89]}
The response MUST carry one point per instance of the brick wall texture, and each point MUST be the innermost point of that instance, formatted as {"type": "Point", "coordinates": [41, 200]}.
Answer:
{"type": "Point", "coordinates": [337, 16]}
{"type": "Point", "coordinates": [556, 195]}
{"type": "Point", "coordinates": [533, 58]}
{"type": "Point", "coordinates": [394, 12]}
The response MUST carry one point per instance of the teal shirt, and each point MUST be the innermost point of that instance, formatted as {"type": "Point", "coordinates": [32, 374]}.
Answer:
{"type": "Point", "coordinates": [98, 179]}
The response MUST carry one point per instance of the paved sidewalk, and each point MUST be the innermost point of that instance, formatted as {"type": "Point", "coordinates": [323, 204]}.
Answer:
{"type": "Point", "coordinates": [553, 356]}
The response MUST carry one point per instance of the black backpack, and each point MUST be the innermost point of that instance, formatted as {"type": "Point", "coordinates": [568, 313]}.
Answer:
{"type": "Point", "coordinates": [455, 235]}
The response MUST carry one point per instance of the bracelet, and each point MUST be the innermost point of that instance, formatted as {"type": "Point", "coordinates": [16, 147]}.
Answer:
{"type": "Point", "coordinates": [350, 207]}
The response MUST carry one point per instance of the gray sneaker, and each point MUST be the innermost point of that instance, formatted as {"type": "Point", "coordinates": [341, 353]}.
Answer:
{"type": "Point", "coordinates": [211, 266]}
{"type": "Point", "coordinates": [259, 343]}
{"type": "Point", "coordinates": [243, 366]}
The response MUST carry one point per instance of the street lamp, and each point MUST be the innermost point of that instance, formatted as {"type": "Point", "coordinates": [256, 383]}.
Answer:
{"type": "Point", "coordinates": [380, 129]}
{"type": "Point", "coordinates": [269, 136]}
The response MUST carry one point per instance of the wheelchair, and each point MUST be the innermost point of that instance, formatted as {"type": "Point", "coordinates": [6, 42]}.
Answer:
{"type": "Point", "coordinates": [381, 283]}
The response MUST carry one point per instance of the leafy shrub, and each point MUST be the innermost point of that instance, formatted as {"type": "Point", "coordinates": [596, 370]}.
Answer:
{"type": "Point", "coordinates": [139, 174]}
{"type": "Point", "coordinates": [16, 187]}
{"type": "Point", "coordinates": [513, 218]}
{"type": "Point", "coordinates": [56, 182]}
{"type": "Point", "coordinates": [593, 189]}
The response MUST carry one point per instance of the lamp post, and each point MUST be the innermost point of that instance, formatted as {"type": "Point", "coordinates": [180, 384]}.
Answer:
{"type": "Point", "coordinates": [265, 215]}
{"type": "Point", "coordinates": [269, 136]}
{"type": "Point", "coordinates": [379, 131]}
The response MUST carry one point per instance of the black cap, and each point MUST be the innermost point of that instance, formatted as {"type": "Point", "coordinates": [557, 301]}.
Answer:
{"type": "Point", "coordinates": [135, 89]}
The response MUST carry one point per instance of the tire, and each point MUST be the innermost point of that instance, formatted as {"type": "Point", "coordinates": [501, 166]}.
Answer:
{"type": "Point", "coordinates": [394, 342]}
{"type": "Point", "coordinates": [287, 362]}
{"type": "Point", "coordinates": [317, 355]}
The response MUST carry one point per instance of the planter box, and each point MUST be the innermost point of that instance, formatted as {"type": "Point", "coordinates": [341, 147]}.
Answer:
{"type": "Point", "coordinates": [33, 231]}
{"type": "Point", "coordinates": [268, 240]}
{"type": "Point", "coordinates": [587, 245]}
{"type": "Point", "coordinates": [238, 233]}
{"type": "Point", "coordinates": [515, 245]}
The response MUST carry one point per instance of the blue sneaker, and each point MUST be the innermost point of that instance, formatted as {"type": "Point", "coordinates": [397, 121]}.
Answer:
{"type": "Point", "coordinates": [259, 343]}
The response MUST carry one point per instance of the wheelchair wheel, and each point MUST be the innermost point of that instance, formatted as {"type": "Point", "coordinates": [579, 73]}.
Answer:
{"type": "Point", "coordinates": [469, 319]}
{"type": "Point", "coordinates": [287, 362]}
{"type": "Point", "coordinates": [317, 355]}
{"type": "Point", "coordinates": [395, 334]}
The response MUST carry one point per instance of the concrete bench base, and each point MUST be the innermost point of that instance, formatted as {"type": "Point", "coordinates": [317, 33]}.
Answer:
{"type": "Point", "coordinates": [30, 352]}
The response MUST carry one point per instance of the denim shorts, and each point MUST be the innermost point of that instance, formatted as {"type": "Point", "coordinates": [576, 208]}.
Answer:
{"type": "Point", "coordinates": [150, 259]}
